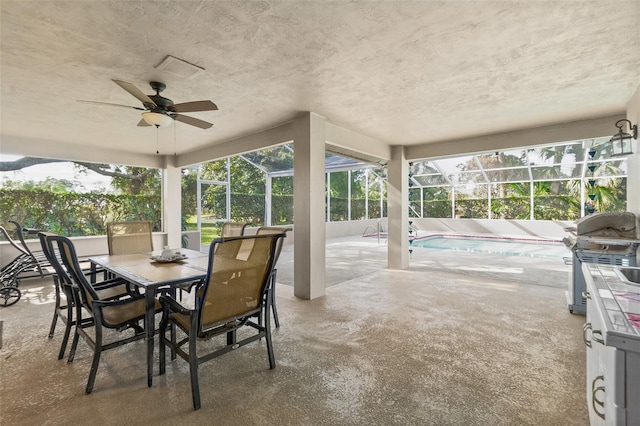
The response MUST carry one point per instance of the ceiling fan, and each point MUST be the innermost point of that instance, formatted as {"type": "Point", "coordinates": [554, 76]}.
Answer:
{"type": "Point", "coordinates": [160, 111]}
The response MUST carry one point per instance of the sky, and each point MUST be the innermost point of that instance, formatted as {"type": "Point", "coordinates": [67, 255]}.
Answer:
{"type": "Point", "coordinates": [84, 182]}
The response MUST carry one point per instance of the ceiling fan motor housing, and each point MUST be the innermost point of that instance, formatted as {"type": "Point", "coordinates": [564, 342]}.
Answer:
{"type": "Point", "coordinates": [164, 105]}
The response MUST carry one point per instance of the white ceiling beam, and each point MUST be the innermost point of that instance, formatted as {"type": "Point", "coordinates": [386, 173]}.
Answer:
{"type": "Point", "coordinates": [33, 147]}
{"type": "Point", "coordinates": [569, 131]}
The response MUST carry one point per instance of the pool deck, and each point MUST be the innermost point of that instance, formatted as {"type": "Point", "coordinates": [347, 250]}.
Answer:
{"type": "Point", "coordinates": [348, 258]}
{"type": "Point", "coordinates": [459, 338]}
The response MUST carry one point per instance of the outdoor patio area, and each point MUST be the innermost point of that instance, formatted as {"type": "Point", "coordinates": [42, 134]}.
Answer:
{"type": "Point", "coordinates": [459, 338]}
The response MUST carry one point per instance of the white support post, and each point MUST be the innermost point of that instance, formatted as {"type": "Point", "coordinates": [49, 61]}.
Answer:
{"type": "Point", "coordinates": [309, 259]}
{"type": "Point", "coordinates": [199, 200]}
{"type": "Point", "coordinates": [531, 201]}
{"type": "Point", "coordinates": [633, 160]}
{"type": "Point", "coordinates": [349, 195]}
{"type": "Point", "coordinates": [228, 187]}
{"type": "Point", "coordinates": [172, 202]}
{"type": "Point", "coordinates": [328, 183]}
{"type": "Point", "coordinates": [453, 202]}
{"type": "Point", "coordinates": [489, 200]}
{"type": "Point", "coordinates": [267, 200]}
{"type": "Point", "coordinates": [366, 194]}
{"type": "Point", "coordinates": [398, 213]}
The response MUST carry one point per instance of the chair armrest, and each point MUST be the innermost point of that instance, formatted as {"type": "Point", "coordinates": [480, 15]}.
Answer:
{"type": "Point", "coordinates": [115, 282]}
{"type": "Point", "coordinates": [173, 305]}
{"type": "Point", "coordinates": [104, 303]}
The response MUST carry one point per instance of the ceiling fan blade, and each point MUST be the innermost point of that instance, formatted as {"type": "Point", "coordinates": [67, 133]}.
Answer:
{"type": "Point", "coordinates": [193, 121]}
{"type": "Point", "coordinates": [196, 106]}
{"type": "Point", "coordinates": [133, 90]}
{"type": "Point", "coordinates": [143, 123]}
{"type": "Point", "coordinates": [108, 104]}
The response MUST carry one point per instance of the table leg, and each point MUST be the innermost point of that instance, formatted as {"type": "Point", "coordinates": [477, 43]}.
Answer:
{"type": "Point", "coordinates": [149, 327]}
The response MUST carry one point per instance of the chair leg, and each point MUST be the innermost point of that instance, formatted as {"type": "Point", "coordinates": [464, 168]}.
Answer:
{"type": "Point", "coordinates": [173, 341]}
{"type": "Point", "coordinates": [57, 307]}
{"type": "Point", "coordinates": [67, 331]}
{"type": "Point", "coordinates": [273, 298]}
{"type": "Point", "coordinates": [267, 329]}
{"type": "Point", "coordinates": [161, 349]}
{"type": "Point", "coordinates": [78, 323]}
{"type": "Point", "coordinates": [193, 369]}
{"type": "Point", "coordinates": [96, 358]}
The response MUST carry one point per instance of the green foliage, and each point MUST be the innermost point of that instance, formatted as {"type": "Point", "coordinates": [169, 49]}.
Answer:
{"type": "Point", "coordinates": [75, 214]}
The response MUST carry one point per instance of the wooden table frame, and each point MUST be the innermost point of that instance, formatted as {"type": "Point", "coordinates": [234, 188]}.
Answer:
{"type": "Point", "coordinates": [142, 272]}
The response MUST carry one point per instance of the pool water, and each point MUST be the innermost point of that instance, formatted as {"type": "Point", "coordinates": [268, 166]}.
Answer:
{"type": "Point", "coordinates": [508, 247]}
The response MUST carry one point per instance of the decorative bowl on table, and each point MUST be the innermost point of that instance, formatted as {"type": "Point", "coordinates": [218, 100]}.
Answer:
{"type": "Point", "coordinates": [167, 257]}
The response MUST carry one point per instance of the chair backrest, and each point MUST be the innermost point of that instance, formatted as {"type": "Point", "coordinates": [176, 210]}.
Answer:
{"type": "Point", "coordinates": [233, 229]}
{"type": "Point", "coordinates": [239, 268]}
{"type": "Point", "coordinates": [69, 267]}
{"type": "Point", "coordinates": [53, 258]}
{"type": "Point", "coordinates": [129, 237]}
{"type": "Point", "coordinates": [270, 230]}
{"type": "Point", "coordinates": [14, 243]}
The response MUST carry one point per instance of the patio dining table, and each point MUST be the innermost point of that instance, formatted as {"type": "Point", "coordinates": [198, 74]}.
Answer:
{"type": "Point", "coordinates": [147, 274]}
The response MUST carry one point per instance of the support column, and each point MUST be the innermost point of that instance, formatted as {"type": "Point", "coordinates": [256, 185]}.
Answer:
{"type": "Point", "coordinates": [633, 161]}
{"type": "Point", "coordinates": [172, 202]}
{"type": "Point", "coordinates": [309, 206]}
{"type": "Point", "coordinates": [398, 208]}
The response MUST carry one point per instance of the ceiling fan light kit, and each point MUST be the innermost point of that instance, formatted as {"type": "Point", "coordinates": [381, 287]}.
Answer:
{"type": "Point", "coordinates": [156, 119]}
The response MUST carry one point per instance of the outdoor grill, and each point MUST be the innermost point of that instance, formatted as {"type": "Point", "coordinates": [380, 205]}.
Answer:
{"type": "Point", "coordinates": [604, 238]}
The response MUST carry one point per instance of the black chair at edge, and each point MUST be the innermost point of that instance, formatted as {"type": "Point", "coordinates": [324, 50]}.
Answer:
{"type": "Point", "coordinates": [268, 230]}
{"type": "Point", "coordinates": [230, 297]}
{"type": "Point", "coordinates": [64, 309]}
{"type": "Point", "coordinates": [121, 314]}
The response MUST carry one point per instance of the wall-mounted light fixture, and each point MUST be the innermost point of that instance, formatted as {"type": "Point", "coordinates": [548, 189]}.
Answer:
{"type": "Point", "coordinates": [621, 141]}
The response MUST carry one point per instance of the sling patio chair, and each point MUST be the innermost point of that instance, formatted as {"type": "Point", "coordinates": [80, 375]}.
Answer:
{"type": "Point", "coordinates": [233, 229]}
{"type": "Point", "coordinates": [129, 237]}
{"type": "Point", "coordinates": [229, 299]}
{"type": "Point", "coordinates": [268, 230]}
{"type": "Point", "coordinates": [135, 237]}
{"type": "Point", "coordinates": [120, 314]}
{"type": "Point", "coordinates": [63, 284]}
{"type": "Point", "coordinates": [38, 255]}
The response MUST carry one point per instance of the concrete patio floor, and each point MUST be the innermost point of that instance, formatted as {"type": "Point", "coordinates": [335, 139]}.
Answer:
{"type": "Point", "coordinates": [459, 338]}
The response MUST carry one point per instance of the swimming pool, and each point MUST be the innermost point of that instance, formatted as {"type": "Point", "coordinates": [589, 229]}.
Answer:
{"type": "Point", "coordinates": [505, 246]}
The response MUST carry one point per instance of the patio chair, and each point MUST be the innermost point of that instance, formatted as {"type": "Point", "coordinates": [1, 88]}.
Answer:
{"type": "Point", "coordinates": [135, 237]}
{"type": "Point", "coordinates": [64, 309]}
{"type": "Point", "coordinates": [230, 297]}
{"type": "Point", "coordinates": [129, 237]}
{"type": "Point", "coordinates": [38, 255]}
{"type": "Point", "coordinates": [233, 229]}
{"type": "Point", "coordinates": [271, 287]}
{"type": "Point", "coordinates": [25, 263]}
{"type": "Point", "coordinates": [120, 314]}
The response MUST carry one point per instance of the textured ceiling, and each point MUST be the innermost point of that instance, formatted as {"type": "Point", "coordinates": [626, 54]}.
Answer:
{"type": "Point", "coordinates": [402, 72]}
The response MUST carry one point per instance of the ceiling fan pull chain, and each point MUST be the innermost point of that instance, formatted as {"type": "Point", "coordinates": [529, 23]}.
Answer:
{"type": "Point", "coordinates": [157, 143]}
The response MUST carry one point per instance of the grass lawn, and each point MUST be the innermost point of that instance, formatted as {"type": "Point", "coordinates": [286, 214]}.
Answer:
{"type": "Point", "coordinates": [208, 231]}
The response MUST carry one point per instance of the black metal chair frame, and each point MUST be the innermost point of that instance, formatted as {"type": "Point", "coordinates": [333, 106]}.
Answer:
{"type": "Point", "coordinates": [228, 326]}
{"type": "Point", "coordinates": [265, 230]}
{"type": "Point", "coordinates": [70, 268]}
{"type": "Point", "coordinates": [25, 261]}
{"type": "Point", "coordinates": [61, 283]}
{"type": "Point", "coordinates": [38, 255]}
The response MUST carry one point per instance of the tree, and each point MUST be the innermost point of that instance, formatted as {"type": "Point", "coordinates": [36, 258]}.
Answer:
{"type": "Point", "coordinates": [130, 180]}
